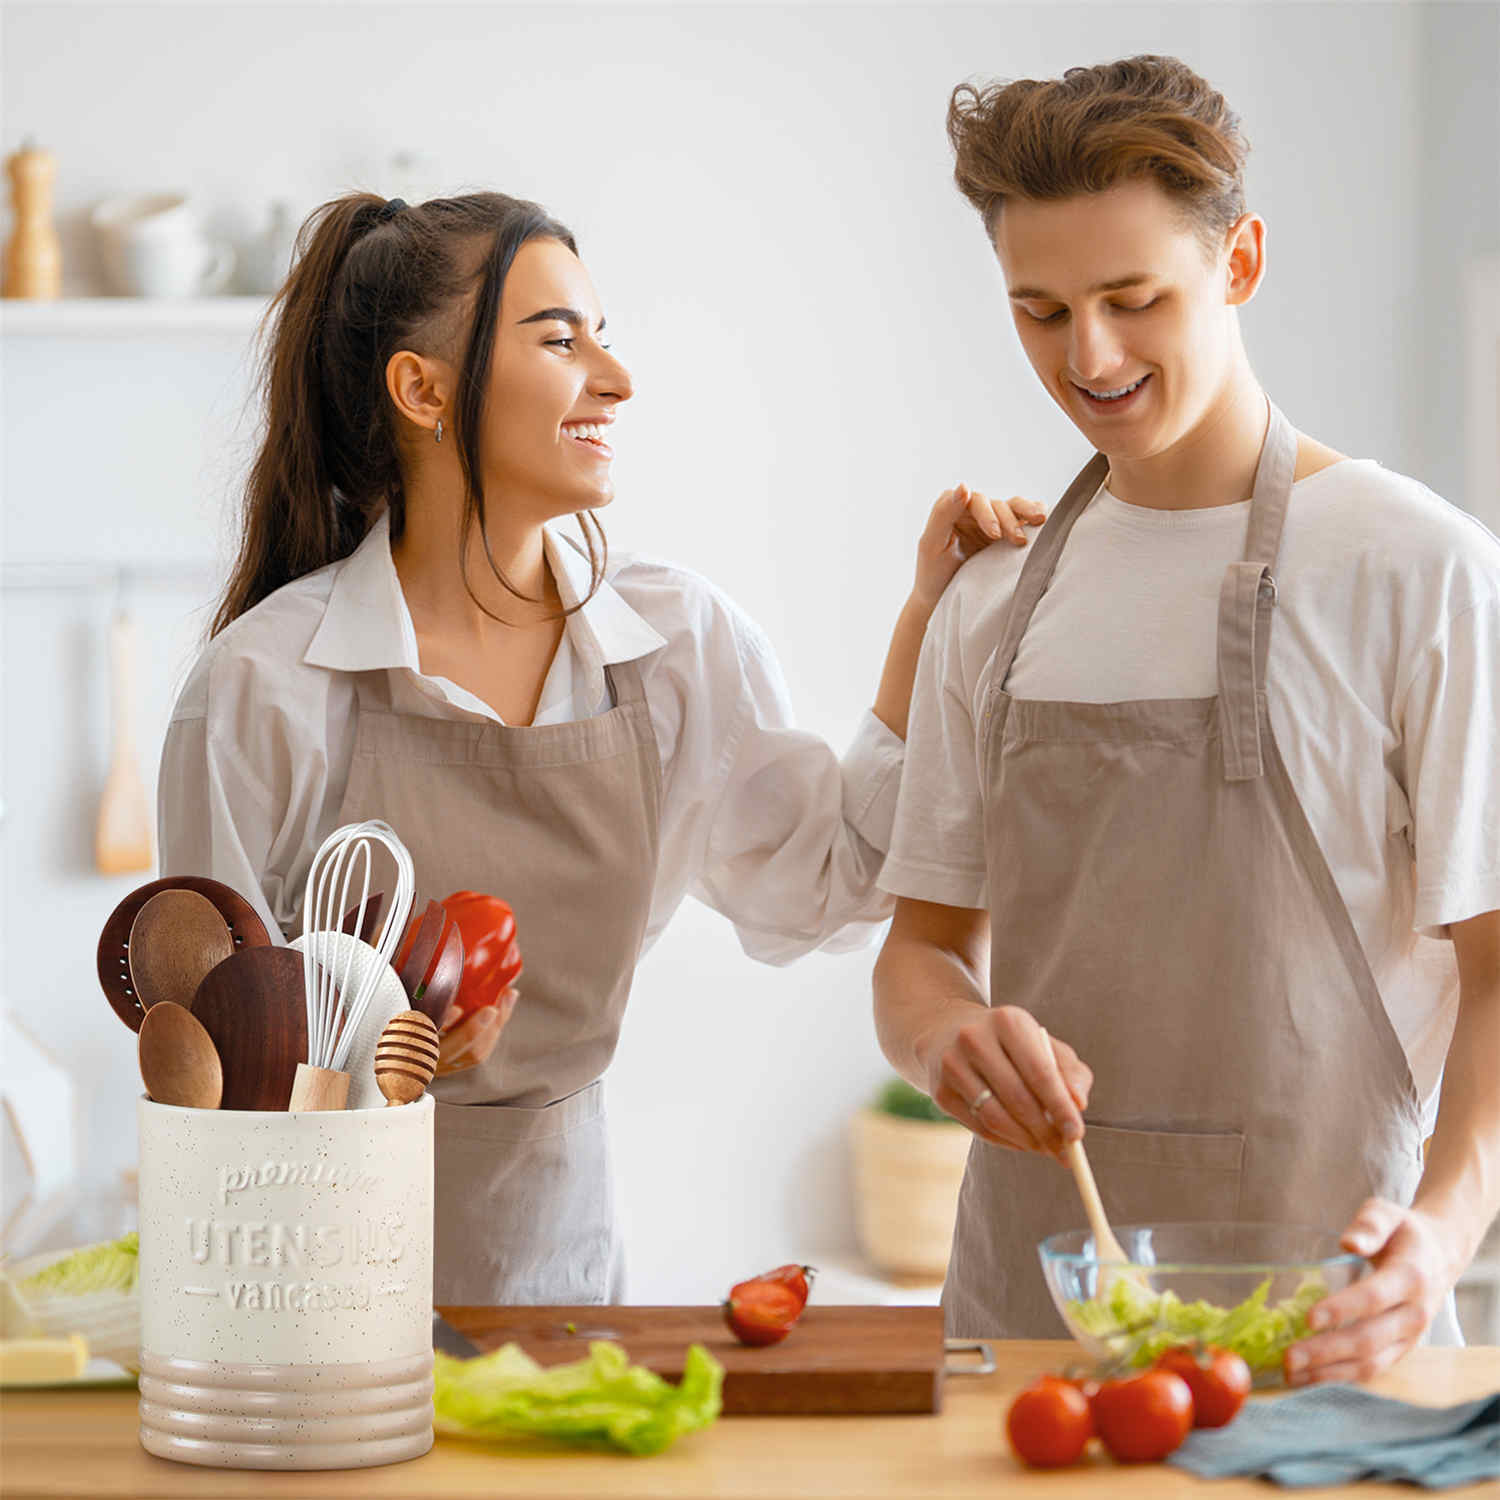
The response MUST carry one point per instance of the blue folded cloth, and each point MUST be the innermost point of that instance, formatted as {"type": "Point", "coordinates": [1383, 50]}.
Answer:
{"type": "Point", "coordinates": [1336, 1434]}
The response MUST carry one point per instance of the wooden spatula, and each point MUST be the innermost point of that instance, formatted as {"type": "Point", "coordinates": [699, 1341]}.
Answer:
{"type": "Point", "coordinates": [253, 1007]}
{"type": "Point", "coordinates": [122, 836]}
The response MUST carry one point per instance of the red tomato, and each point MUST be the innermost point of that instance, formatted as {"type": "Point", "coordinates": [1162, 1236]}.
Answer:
{"type": "Point", "coordinates": [762, 1312]}
{"type": "Point", "coordinates": [1145, 1417]}
{"type": "Point", "coordinates": [798, 1278]}
{"type": "Point", "coordinates": [1218, 1378]}
{"type": "Point", "coordinates": [1049, 1423]}
{"type": "Point", "coordinates": [491, 958]}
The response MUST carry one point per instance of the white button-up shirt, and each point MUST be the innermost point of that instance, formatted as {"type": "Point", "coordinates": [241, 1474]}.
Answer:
{"type": "Point", "coordinates": [759, 820]}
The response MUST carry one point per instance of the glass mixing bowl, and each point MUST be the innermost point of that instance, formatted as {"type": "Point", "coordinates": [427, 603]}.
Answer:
{"type": "Point", "coordinates": [1247, 1287]}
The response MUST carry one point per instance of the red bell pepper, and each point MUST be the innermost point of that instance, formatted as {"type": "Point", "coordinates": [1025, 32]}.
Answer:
{"type": "Point", "coordinates": [492, 959]}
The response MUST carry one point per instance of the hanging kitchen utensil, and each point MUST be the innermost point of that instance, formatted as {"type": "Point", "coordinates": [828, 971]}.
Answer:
{"type": "Point", "coordinates": [252, 1007]}
{"type": "Point", "coordinates": [176, 938]}
{"type": "Point", "coordinates": [361, 920]}
{"type": "Point", "coordinates": [406, 1057]}
{"type": "Point", "coordinates": [122, 835]}
{"type": "Point", "coordinates": [179, 1062]}
{"type": "Point", "coordinates": [112, 960]}
{"type": "Point", "coordinates": [351, 962]}
{"type": "Point", "coordinates": [336, 997]}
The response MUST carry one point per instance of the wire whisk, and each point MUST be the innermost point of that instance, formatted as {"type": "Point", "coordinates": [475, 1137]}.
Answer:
{"type": "Point", "coordinates": [339, 985]}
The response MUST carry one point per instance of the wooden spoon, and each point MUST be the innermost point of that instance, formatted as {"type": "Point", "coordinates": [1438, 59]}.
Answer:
{"type": "Point", "coordinates": [1106, 1246]}
{"type": "Point", "coordinates": [176, 938]}
{"type": "Point", "coordinates": [179, 1062]}
{"type": "Point", "coordinates": [113, 956]}
{"type": "Point", "coordinates": [254, 1008]}
{"type": "Point", "coordinates": [406, 1057]}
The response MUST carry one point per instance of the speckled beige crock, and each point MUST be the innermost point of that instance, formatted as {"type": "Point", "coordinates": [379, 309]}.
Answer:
{"type": "Point", "coordinates": [286, 1286]}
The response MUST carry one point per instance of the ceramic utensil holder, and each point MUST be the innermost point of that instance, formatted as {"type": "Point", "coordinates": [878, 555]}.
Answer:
{"type": "Point", "coordinates": [286, 1286]}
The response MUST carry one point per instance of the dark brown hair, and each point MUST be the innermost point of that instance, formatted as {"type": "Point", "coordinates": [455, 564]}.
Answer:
{"type": "Point", "coordinates": [1095, 127]}
{"type": "Point", "coordinates": [371, 278]}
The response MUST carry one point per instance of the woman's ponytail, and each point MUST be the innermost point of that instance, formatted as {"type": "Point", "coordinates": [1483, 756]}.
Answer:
{"type": "Point", "coordinates": [294, 522]}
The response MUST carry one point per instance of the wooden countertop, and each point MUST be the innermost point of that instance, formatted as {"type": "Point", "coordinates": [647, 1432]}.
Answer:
{"type": "Point", "coordinates": [83, 1443]}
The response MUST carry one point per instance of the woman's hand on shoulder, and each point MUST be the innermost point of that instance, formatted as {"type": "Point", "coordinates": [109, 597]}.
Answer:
{"type": "Point", "coordinates": [964, 522]}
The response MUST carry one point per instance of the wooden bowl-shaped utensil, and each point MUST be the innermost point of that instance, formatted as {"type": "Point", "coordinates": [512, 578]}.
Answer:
{"type": "Point", "coordinates": [113, 958]}
{"type": "Point", "coordinates": [179, 1062]}
{"type": "Point", "coordinates": [176, 938]}
{"type": "Point", "coordinates": [253, 1007]}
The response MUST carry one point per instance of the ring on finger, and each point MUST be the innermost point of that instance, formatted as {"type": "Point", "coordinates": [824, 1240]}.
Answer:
{"type": "Point", "coordinates": [977, 1102]}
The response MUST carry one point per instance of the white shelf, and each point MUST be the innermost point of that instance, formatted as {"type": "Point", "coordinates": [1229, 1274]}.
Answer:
{"type": "Point", "coordinates": [88, 316]}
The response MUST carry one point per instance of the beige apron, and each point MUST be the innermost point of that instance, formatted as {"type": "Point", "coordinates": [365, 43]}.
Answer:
{"type": "Point", "coordinates": [1158, 900]}
{"type": "Point", "coordinates": [561, 821]}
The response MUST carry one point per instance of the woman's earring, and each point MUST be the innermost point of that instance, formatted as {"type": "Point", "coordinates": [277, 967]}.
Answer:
{"type": "Point", "coordinates": [438, 435]}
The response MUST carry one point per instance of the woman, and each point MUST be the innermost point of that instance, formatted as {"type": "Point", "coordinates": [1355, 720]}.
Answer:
{"type": "Point", "coordinates": [405, 636]}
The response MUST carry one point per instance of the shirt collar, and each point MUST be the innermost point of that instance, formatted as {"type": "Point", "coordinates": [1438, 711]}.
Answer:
{"type": "Point", "coordinates": [366, 625]}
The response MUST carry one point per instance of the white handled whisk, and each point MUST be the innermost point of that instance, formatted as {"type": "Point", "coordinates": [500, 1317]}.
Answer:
{"type": "Point", "coordinates": [338, 996]}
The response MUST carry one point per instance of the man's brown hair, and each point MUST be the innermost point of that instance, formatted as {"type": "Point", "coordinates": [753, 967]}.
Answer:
{"type": "Point", "coordinates": [1092, 128]}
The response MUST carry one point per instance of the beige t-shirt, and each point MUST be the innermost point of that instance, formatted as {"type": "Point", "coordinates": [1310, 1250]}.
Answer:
{"type": "Point", "coordinates": [1384, 686]}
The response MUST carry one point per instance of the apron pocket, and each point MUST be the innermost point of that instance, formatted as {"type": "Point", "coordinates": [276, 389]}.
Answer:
{"type": "Point", "coordinates": [1166, 1176]}
{"type": "Point", "coordinates": [524, 1203]}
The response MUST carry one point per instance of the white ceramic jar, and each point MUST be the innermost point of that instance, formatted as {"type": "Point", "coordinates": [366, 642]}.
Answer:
{"type": "Point", "coordinates": [286, 1286]}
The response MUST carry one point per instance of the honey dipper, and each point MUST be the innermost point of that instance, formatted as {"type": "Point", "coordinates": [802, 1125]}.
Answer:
{"type": "Point", "coordinates": [406, 1057]}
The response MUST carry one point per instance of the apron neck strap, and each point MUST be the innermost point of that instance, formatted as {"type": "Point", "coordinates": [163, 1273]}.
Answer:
{"type": "Point", "coordinates": [1036, 574]}
{"type": "Point", "coordinates": [625, 682]}
{"type": "Point", "coordinates": [1246, 601]}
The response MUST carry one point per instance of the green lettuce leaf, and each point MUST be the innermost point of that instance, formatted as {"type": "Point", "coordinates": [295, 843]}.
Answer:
{"type": "Point", "coordinates": [601, 1401]}
{"type": "Point", "coordinates": [1143, 1324]}
{"type": "Point", "coordinates": [95, 1292]}
{"type": "Point", "coordinates": [111, 1267]}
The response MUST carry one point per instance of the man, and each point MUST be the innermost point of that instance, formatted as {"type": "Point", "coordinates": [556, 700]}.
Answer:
{"type": "Point", "coordinates": [1215, 762]}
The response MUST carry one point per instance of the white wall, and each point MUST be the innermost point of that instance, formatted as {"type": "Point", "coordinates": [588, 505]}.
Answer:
{"type": "Point", "coordinates": [819, 342]}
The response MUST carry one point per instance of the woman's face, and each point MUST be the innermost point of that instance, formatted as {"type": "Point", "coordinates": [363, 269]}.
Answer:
{"type": "Point", "coordinates": [1125, 317]}
{"type": "Point", "coordinates": [553, 389]}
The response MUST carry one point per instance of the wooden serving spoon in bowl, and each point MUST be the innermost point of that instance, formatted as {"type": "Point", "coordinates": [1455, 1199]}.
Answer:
{"type": "Point", "coordinates": [176, 938]}
{"type": "Point", "coordinates": [179, 1062]}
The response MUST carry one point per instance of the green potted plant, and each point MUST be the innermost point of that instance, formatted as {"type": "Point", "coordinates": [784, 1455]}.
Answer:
{"type": "Point", "coordinates": [909, 1160]}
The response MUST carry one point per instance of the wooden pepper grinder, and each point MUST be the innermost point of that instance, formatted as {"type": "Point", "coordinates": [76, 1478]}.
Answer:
{"type": "Point", "coordinates": [406, 1057]}
{"type": "Point", "coordinates": [33, 256]}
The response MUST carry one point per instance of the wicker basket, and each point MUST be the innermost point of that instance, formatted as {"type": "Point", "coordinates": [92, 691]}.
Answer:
{"type": "Point", "coordinates": [906, 1176]}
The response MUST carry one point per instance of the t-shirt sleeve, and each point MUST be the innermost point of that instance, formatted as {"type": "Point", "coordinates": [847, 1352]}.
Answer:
{"type": "Point", "coordinates": [937, 845]}
{"type": "Point", "coordinates": [1448, 716]}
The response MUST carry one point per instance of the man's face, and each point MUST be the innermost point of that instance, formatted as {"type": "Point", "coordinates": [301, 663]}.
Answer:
{"type": "Point", "coordinates": [1126, 317]}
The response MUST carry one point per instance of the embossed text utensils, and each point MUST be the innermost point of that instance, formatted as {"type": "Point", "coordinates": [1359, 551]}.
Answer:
{"type": "Point", "coordinates": [339, 988]}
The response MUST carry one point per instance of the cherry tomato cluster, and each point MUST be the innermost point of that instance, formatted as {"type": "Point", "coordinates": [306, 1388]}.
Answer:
{"type": "Point", "coordinates": [763, 1309]}
{"type": "Point", "coordinates": [1139, 1418]}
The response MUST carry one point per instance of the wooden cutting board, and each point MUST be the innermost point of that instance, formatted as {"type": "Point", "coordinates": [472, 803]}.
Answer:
{"type": "Point", "coordinates": [836, 1359]}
